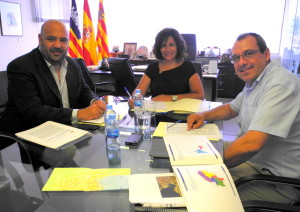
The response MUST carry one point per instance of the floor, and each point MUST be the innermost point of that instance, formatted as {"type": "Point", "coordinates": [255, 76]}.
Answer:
{"type": "Point", "coordinates": [230, 127]}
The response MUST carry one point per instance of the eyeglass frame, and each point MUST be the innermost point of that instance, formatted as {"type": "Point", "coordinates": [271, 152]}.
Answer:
{"type": "Point", "coordinates": [245, 57]}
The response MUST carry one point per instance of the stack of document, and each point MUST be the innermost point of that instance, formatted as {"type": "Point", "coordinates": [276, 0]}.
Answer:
{"type": "Point", "coordinates": [54, 135]}
{"type": "Point", "coordinates": [203, 183]}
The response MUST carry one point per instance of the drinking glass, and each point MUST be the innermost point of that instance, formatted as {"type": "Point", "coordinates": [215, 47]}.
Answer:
{"type": "Point", "coordinates": [149, 108]}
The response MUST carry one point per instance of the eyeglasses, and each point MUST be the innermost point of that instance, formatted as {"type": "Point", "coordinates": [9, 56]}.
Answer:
{"type": "Point", "coordinates": [248, 54]}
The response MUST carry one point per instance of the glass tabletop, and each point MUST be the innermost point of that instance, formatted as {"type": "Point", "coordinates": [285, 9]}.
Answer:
{"type": "Point", "coordinates": [90, 153]}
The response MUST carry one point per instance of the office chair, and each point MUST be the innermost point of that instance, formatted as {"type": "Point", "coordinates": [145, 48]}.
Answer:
{"type": "Point", "coordinates": [256, 205]}
{"type": "Point", "coordinates": [94, 86]}
{"type": "Point", "coordinates": [123, 75]}
{"type": "Point", "coordinates": [14, 196]}
{"type": "Point", "coordinates": [198, 66]}
{"type": "Point", "coordinates": [191, 46]}
{"type": "Point", "coordinates": [3, 91]}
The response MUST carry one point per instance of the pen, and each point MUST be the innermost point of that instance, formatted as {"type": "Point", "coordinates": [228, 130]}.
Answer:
{"type": "Point", "coordinates": [127, 92]}
{"type": "Point", "coordinates": [174, 124]}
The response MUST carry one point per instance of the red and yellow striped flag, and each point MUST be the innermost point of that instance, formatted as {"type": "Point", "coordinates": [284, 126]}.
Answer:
{"type": "Point", "coordinates": [88, 35]}
{"type": "Point", "coordinates": [75, 43]}
{"type": "Point", "coordinates": [102, 34]}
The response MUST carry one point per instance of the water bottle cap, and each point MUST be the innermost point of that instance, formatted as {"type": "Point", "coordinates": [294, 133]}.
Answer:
{"type": "Point", "coordinates": [109, 106]}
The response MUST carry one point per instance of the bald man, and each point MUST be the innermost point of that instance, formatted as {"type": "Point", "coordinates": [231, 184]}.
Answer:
{"type": "Point", "coordinates": [46, 85]}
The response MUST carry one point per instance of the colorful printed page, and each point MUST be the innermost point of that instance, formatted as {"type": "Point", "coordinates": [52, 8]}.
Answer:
{"type": "Point", "coordinates": [85, 179]}
{"type": "Point", "coordinates": [191, 150]}
{"type": "Point", "coordinates": [211, 131]}
{"type": "Point", "coordinates": [155, 190]}
{"type": "Point", "coordinates": [208, 188]}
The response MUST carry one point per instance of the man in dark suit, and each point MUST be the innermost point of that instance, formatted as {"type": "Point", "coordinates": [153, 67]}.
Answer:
{"type": "Point", "coordinates": [45, 84]}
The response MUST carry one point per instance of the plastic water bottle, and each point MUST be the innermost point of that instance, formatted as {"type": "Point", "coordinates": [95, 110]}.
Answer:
{"type": "Point", "coordinates": [138, 102]}
{"type": "Point", "coordinates": [112, 140]}
{"type": "Point", "coordinates": [109, 112]}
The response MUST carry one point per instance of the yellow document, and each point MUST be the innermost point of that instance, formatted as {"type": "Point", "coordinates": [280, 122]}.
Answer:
{"type": "Point", "coordinates": [85, 179]}
{"type": "Point", "coordinates": [186, 105]}
{"type": "Point", "coordinates": [210, 131]}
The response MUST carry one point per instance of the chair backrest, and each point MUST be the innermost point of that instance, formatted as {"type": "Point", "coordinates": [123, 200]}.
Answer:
{"type": "Point", "coordinates": [3, 91]}
{"type": "Point", "coordinates": [19, 187]}
{"type": "Point", "coordinates": [123, 75]}
{"type": "Point", "coordinates": [85, 73]}
{"type": "Point", "coordinates": [198, 66]}
{"type": "Point", "coordinates": [191, 46]}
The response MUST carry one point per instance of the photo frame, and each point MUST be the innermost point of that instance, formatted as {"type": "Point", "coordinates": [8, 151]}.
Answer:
{"type": "Point", "coordinates": [11, 19]}
{"type": "Point", "coordinates": [129, 48]}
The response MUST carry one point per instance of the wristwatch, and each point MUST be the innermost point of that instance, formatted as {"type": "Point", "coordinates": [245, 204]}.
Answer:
{"type": "Point", "coordinates": [174, 98]}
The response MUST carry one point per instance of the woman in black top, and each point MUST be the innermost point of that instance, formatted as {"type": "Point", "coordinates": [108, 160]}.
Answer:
{"type": "Point", "coordinates": [171, 77]}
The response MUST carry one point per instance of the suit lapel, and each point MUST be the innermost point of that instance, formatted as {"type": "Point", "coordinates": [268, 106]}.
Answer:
{"type": "Point", "coordinates": [45, 73]}
{"type": "Point", "coordinates": [71, 82]}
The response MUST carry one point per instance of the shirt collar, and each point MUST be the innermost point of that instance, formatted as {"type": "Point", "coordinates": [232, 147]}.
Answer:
{"type": "Point", "coordinates": [259, 78]}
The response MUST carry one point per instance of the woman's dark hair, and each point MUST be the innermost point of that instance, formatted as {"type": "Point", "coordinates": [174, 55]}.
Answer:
{"type": "Point", "coordinates": [162, 36]}
{"type": "Point", "coordinates": [261, 43]}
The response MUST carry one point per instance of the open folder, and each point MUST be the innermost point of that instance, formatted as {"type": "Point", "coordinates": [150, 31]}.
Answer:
{"type": "Point", "coordinates": [203, 178]}
{"type": "Point", "coordinates": [186, 105]}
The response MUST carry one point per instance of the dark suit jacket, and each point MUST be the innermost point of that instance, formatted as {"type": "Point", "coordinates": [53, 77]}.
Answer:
{"type": "Point", "coordinates": [33, 96]}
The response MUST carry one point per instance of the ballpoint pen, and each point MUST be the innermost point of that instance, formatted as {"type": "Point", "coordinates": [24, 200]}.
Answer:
{"type": "Point", "coordinates": [127, 92]}
{"type": "Point", "coordinates": [174, 124]}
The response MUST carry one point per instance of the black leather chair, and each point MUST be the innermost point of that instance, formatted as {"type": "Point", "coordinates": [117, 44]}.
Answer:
{"type": "Point", "coordinates": [100, 88]}
{"type": "Point", "coordinates": [14, 196]}
{"type": "Point", "coordinates": [256, 205]}
{"type": "Point", "coordinates": [3, 91]}
{"type": "Point", "coordinates": [198, 66]}
{"type": "Point", "coordinates": [191, 46]}
{"type": "Point", "coordinates": [123, 75]}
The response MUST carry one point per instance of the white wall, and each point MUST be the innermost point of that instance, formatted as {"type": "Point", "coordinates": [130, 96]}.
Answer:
{"type": "Point", "coordinates": [216, 22]}
{"type": "Point", "coordinates": [14, 46]}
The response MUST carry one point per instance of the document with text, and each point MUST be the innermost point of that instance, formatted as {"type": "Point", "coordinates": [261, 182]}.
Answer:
{"type": "Point", "coordinates": [204, 180]}
{"type": "Point", "coordinates": [210, 131]}
{"type": "Point", "coordinates": [54, 135]}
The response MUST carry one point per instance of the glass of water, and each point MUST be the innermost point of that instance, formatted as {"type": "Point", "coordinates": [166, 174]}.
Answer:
{"type": "Point", "coordinates": [149, 107]}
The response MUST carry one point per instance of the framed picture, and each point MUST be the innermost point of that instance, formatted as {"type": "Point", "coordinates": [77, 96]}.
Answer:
{"type": "Point", "coordinates": [129, 48]}
{"type": "Point", "coordinates": [11, 20]}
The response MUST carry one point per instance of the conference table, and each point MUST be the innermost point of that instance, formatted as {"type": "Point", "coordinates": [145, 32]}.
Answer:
{"type": "Point", "coordinates": [89, 153]}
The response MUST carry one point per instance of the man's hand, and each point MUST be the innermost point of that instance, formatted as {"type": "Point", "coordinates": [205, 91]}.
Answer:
{"type": "Point", "coordinates": [195, 120]}
{"type": "Point", "coordinates": [93, 111]}
{"type": "Point", "coordinates": [100, 104]}
{"type": "Point", "coordinates": [131, 102]}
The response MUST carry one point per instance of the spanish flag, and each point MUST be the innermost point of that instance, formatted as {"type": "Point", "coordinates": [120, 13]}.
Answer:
{"type": "Point", "coordinates": [88, 35]}
{"type": "Point", "coordinates": [101, 34]}
{"type": "Point", "coordinates": [75, 44]}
